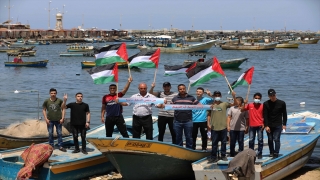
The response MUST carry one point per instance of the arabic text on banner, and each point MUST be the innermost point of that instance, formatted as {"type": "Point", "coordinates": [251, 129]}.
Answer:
{"type": "Point", "coordinates": [143, 100]}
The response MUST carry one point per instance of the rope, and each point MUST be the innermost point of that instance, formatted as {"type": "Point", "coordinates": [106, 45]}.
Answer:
{"type": "Point", "coordinates": [115, 139]}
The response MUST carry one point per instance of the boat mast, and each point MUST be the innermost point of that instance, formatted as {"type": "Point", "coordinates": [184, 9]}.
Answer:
{"type": "Point", "coordinates": [9, 20]}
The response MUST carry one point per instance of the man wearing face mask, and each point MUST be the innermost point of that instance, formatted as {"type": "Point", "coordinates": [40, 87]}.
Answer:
{"type": "Point", "coordinates": [255, 123]}
{"type": "Point", "coordinates": [218, 125]}
{"type": "Point", "coordinates": [275, 120]}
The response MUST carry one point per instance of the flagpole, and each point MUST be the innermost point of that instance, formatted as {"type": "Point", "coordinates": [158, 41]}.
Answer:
{"type": "Point", "coordinates": [228, 83]}
{"type": "Point", "coordinates": [248, 92]}
{"type": "Point", "coordinates": [129, 69]}
{"type": "Point", "coordinates": [188, 87]}
{"type": "Point", "coordinates": [155, 75]}
{"type": "Point", "coordinates": [117, 90]}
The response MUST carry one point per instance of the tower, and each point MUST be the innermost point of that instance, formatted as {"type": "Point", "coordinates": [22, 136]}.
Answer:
{"type": "Point", "coordinates": [59, 21]}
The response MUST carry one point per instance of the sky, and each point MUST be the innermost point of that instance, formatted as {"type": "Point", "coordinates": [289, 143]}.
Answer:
{"type": "Point", "coordinates": [239, 15]}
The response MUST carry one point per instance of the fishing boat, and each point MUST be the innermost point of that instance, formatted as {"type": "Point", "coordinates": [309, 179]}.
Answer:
{"type": "Point", "coordinates": [22, 53]}
{"type": "Point", "coordinates": [90, 64]}
{"type": "Point", "coordinates": [67, 165]}
{"type": "Point", "coordinates": [71, 54]}
{"type": "Point", "coordinates": [11, 142]}
{"type": "Point", "coordinates": [249, 46]}
{"type": "Point", "coordinates": [310, 41]}
{"type": "Point", "coordinates": [42, 63]}
{"type": "Point", "coordinates": [146, 159]}
{"type": "Point", "coordinates": [79, 48]}
{"type": "Point", "coordinates": [287, 45]}
{"type": "Point", "coordinates": [297, 145]}
{"type": "Point", "coordinates": [44, 43]}
{"type": "Point", "coordinates": [132, 45]}
{"type": "Point", "coordinates": [167, 45]}
{"type": "Point", "coordinates": [225, 64]}
{"type": "Point", "coordinates": [32, 42]}
{"type": "Point", "coordinates": [8, 141]}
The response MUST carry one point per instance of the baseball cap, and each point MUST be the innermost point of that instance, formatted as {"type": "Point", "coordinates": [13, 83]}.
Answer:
{"type": "Point", "coordinates": [216, 92]}
{"type": "Point", "coordinates": [271, 92]}
{"type": "Point", "coordinates": [166, 84]}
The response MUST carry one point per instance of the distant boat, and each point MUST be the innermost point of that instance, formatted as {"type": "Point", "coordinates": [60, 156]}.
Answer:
{"type": "Point", "coordinates": [44, 43]}
{"type": "Point", "coordinates": [169, 47]}
{"type": "Point", "coordinates": [90, 64]}
{"type": "Point", "coordinates": [287, 45]}
{"type": "Point", "coordinates": [146, 159]}
{"type": "Point", "coordinates": [310, 41]}
{"type": "Point", "coordinates": [32, 42]}
{"type": "Point", "coordinates": [225, 64]}
{"type": "Point", "coordinates": [79, 48]}
{"type": "Point", "coordinates": [90, 40]}
{"type": "Point", "coordinates": [21, 53]}
{"type": "Point", "coordinates": [297, 145]}
{"type": "Point", "coordinates": [250, 46]}
{"type": "Point", "coordinates": [132, 45]}
{"type": "Point", "coordinates": [71, 54]}
{"type": "Point", "coordinates": [42, 63]}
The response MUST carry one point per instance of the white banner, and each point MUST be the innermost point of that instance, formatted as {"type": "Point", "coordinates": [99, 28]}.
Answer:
{"type": "Point", "coordinates": [188, 107]}
{"type": "Point", "coordinates": [142, 100]}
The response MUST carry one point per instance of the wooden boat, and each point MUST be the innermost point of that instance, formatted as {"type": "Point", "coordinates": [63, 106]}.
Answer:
{"type": "Point", "coordinates": [22, 53]}
{"type": "Point", "coordinates": [17, 49]}
{"type": "Point", "coordinates": [44, 43]}
{"type": "Point", "coordinates": [182, 48]}
{"type": "Point", "coordinates": [67, 165]}
{"type": "Point", "coordinates": [11, 142]}
{"type": "Point", "coordinates": [42, 63]}
{"type": "Point", "coordinates": [225, 64]}
{"type": "Point", "coordinates": [79, 48]}
{"type": "Point", "coordinates": [90, 64]}
{"type": "Point", "coordinates": [71, 54]}
{"type": "Point", "coordinates": [287, 45]}
{"type": "Point", "coordinates": [32, 42]}
{"type": "Point", "coordinates": [132, 45]}
{"type": "Point", "coordinates": [146, 159]}
{"type": "Point", "coordinates": [249, 46]}
{"type": "Point", "coordinates": [297, 145]}
{"type": "Point", "coordinates": [310, 41]}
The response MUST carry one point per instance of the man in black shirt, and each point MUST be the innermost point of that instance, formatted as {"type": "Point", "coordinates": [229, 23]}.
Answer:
{"type": "Point", "coordinates": [275, 120]}
{"type": "Point", "coordinates": [80, 121]}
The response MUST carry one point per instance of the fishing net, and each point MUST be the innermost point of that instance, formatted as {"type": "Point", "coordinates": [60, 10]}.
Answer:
{"type": "Point", "coordinates": [34, 157]}
{"type": "Point", "coordinates": [30, 128]}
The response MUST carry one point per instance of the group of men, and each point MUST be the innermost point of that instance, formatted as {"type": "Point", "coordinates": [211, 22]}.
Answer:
{"type": "Point", "coordinates": [214, 124]}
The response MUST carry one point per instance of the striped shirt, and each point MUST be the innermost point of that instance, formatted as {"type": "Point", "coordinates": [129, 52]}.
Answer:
{"type": "Point", "coordinates": [184, 115]}
{"type": "Point", "coordinates": [163, 112]}
{"type": "Point", "coordinates": [142, 109]}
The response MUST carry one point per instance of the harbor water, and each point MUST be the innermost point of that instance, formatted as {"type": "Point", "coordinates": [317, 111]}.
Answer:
{"type": "Point", "coordinates": [293, 73]}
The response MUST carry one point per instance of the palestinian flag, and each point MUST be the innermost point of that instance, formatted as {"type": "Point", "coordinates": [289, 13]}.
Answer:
{"type": "Point", "coordinates": [104, 74]}
{"type": "Point", "coordinates": [205, 71]}
{"type": "Point", "coordinates": [244, 79]}
{"type": "Point", "coordinates": [176, 69]}
{"type": "Point", "coordinates": [111, 54]}
{"type": "Point", "coordinates": [145, 59]}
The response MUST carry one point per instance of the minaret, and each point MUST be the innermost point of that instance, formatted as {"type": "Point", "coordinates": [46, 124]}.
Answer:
{"type": "Point", "coordinates": [59, 21]}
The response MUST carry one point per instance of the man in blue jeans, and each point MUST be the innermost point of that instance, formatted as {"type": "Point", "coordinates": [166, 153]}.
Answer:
{"type": "Point", "coordinates": [255, 123]}
{"type": "Point", "coordinates": [218, 125]}
{"type": "Point", "coordinates": [275, 120]}
{"type": "Point", "coordinates": [183, 118]}
{"type": "Point", "coordinates": [53, 112]}
{"type": "Point", "coordinates": [237, 124]}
